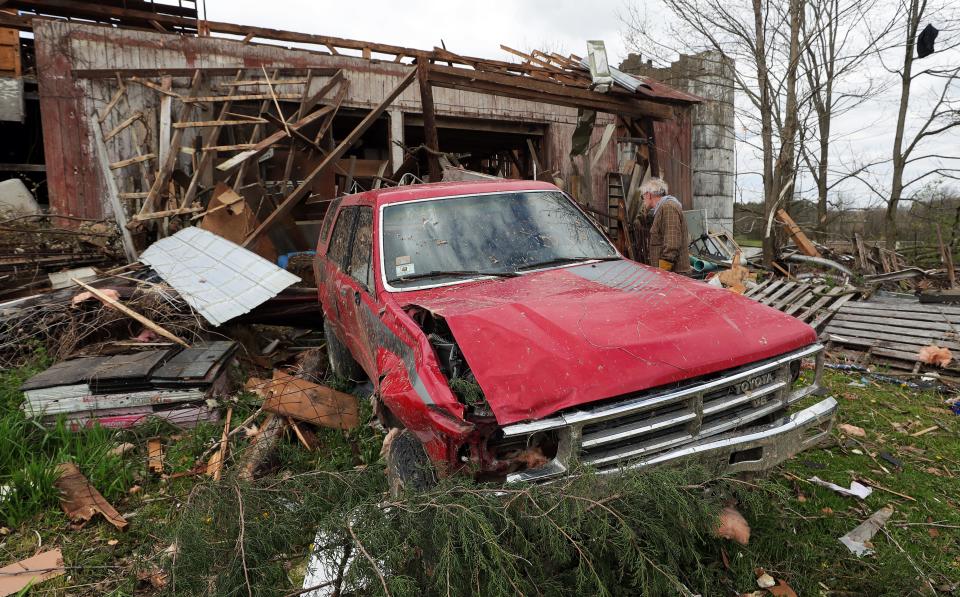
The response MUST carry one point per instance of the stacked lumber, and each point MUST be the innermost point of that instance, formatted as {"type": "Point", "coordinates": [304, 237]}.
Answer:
{"type": "Point", "coordinates": [894, 333]}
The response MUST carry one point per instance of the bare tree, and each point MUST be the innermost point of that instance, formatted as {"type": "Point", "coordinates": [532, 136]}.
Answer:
{"type": "Point", "coordinates": [764, 40]}
{"type": "Point", "coordinates": [839, 43]}
{"type": "Point", "coordinates": [939, 117]}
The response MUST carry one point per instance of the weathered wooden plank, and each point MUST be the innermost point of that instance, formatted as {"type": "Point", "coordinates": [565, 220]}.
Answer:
{"type": "Point", "coordinates": [240, 98]}
{"type": "Point", "coordinates": [911, 307]}
{"type": "Point", "coordinates": [894, 321]}
{"type": "Point", "coordinates": [752, 291]}
{"type": "Point", "coordinates": [217, 123]}
{"type": "Point", "coordinates": [788, 299]}
{"type": "Point", "coordinates": [784, 289]}
{"type": "Point", "coordinates": [260, 83]}
{"type": "Point", "coordinates": [931, 315]}
{"type": "Point", "coordinates": [132, 161]}
{"type": "Point", "coordinates": [166, 120]}
{"type": "Point", "coordinates": [166, 168]}
{"type": "Point", "coordinates": [871, 334]}
{"type": "Point", "coordinates": [266, 143]}
{"type": "Point", "coordinates": [207, 157]}
{"type": "Point", "coordinates": [770, 288]}
{"type": "Point", "coordinates": [113, 195]}
{"type": "Point", "coordinates": [124, 124]}
{"type": "Point", "coordinates": [284, 209]}
{"type": "Point", "coordinates": [865, 329]}
{"type": "Point", "coordinates": [828, 312]}
{"type": "Point", "coordinates": [111, 401]}
{"type": "Point", "coordinates": [820, 303]}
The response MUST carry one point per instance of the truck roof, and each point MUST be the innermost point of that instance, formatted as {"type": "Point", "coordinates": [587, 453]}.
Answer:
{"type": "Point", "coordinates": [446, 189]}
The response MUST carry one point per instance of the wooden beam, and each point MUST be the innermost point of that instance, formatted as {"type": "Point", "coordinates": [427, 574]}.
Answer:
{"type": "Point", "coordinates": [431, 139]}
{"type": "Point", "coordinates": [132, 161]}
{"type": "Point", "coordinates": [265, 144]}
{"type": "Point", "coordinates": [166, 119]}
{"type": "Point", "coordinates": [114, 303]}
{"type": "Point", "coordinates": [284, 209]}
{"type": "Point", "coordinates": [215, 123]}
{"type": "Point", "coordinates": [166, 168]}
{"type": "Point", "coordinates": [113, 195]}
{"type": "Point", "coordinates": [205, 159]}
{"type": "Point", "coordinates": [646, 125]}
{"type": "Point", "coordinates": [799, 238]}
{"type": "Point", "coordinates": [113, 101]}
{"type": "Point", "coordinates": [204, 99]}
{"type": "Point", "coordinates": [545, 92]}
{"type": "Point", "coordinates": [127, 122]}
{"type": "Point", "coordinates": [167, 213]}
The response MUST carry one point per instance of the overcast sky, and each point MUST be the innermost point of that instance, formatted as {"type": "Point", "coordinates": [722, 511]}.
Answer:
{"type": "Point", "coordinates": [478, 29]}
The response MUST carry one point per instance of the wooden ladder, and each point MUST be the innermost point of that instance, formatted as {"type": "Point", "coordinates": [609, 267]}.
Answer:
{"type": "Point", "coordinates": [615, 194]}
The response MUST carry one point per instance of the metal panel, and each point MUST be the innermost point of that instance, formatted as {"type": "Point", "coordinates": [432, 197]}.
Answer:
{"type": "Point", "coordinates": [218, 278]}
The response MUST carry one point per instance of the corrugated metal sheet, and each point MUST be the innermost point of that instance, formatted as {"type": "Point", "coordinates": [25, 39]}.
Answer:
{"type": "Point", "coordinates": [218, 278]}
{"type": "Point", "coordinates": [647, 87]}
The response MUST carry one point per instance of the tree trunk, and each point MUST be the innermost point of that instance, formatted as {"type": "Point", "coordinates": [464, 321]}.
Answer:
{"type": "Point", "coordinates": [766, 132]}
{"type": "Point", "coordinates": [899, 159]}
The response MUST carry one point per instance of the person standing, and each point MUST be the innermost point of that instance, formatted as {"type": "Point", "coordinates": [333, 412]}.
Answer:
{"type": "Point", "coordinates": [668, 238]}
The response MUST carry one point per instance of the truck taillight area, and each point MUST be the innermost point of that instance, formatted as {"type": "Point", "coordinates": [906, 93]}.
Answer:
{"type": "Point", "coordinates": [735, 421]}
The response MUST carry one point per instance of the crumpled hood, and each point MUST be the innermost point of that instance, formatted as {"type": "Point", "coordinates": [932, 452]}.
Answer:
{"type": "Point", "coordinates": [550, 340]}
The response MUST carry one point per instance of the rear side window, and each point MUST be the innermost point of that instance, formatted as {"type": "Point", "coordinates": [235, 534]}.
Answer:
{"type": "Point", "coordinates": [328, 220]}
{"type": "Point", "coordinates": [361, 256]}
{"type": "Point", "coordinates": [340, 241]}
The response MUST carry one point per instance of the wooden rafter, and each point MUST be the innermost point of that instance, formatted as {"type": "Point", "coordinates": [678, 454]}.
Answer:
{"type": "Point", "coordinates": [283, 210]}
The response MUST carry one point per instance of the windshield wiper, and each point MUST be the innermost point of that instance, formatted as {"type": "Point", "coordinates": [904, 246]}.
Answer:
{"type": "Point", "coordinates": [458, 273]}
{"type": "Point", "coordinates": [563, 260]}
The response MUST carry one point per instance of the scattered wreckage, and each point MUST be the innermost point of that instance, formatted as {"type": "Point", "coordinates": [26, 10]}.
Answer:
{"type": "Point", "coordinates": [516, 349]}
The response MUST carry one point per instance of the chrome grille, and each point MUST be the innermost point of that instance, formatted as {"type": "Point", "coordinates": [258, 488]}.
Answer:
{"type": "Point", "coordinates": [637, 428]}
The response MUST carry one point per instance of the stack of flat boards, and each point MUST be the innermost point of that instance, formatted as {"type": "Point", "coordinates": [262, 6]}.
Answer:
{"type": "Point", "coordinates": [810, 303]}
{"type": "Point", "coordinates": [125, 390]}
{"type": "Point", "coordinates": [893, 332]}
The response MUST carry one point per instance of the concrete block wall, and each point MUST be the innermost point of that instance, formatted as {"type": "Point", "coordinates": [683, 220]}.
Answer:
{"type": "Point", "coordinates": [709, 75]}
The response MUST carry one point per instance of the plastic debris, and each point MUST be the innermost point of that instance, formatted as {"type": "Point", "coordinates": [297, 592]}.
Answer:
{"type": "Point", "coordinates": [856, 489]}
{"type": "Point", "coordinates": [857, 540]}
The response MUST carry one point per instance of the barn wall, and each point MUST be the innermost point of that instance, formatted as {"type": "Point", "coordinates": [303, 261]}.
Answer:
{"type": "Point", "coordinates": [75, 61]}
{"type": "Point", "coordinates": [675, 155]}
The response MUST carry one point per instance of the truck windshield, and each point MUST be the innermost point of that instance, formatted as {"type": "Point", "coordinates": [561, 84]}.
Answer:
{"type": "Point", "coordinates": [440, 240]}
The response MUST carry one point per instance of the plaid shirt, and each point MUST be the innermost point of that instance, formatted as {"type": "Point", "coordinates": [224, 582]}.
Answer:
{"type": "Point", "coordinates": [669, 238]}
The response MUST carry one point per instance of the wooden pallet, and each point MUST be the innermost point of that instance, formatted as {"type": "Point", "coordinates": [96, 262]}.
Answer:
{"type": "Point", "coordinates": [813, 304]}
{"type": "Point", "coordinates": [894, 332]}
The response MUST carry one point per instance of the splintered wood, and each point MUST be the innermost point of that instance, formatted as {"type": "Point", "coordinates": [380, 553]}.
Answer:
{"type": "Point", "coordinates": [799, 238]}
{"type": "Point", "coordinates": [81, 501]}
{"type": "Point", "coordinates": [306, 401]}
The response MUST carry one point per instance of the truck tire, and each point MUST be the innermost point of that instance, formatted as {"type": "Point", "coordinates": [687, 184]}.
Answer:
{"type": "Point", "coordinates": [408, 466]}
{"type": "Point", "coordinates": [341, 361]}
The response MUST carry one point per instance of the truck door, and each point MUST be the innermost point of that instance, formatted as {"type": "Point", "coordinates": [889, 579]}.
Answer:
{"type": "Point", "coordinates": [361, 292]}
{"type": "Point", "coordinates": [335, 264]}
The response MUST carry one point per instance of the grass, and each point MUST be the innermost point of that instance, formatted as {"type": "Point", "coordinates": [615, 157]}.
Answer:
{"type": "Point", "coordinates": [457, 531]}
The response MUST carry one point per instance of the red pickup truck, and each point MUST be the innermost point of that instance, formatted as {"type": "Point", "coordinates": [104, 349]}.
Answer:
{"type": "Point", "coordinates": [507, 338]}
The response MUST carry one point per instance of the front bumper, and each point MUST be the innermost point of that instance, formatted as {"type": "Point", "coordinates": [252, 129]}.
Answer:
{"type": "Point", "coordinates": [725, 424]}
{"type": "Point", "coordinates": [754, 449]}
{"type": "Point", "coordinates": [759, 449]}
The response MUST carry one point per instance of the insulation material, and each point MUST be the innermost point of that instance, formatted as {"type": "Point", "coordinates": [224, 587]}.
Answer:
{"type": "Point", "coordinates": [218, 278]}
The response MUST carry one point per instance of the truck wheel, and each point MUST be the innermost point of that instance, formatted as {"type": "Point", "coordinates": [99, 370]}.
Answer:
{"type": "Point", "coordinates": [341, 361]}
{"type": "Point", "coordinates": [408, 466]}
